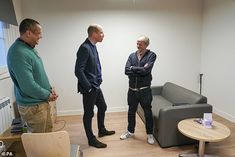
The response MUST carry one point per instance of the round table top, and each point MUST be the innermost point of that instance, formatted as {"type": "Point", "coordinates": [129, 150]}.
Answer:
{"type": "Point", "coordinates": [194, 130]}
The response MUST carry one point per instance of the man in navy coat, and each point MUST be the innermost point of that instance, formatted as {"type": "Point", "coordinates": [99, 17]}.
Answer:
{"type": "Point", "coordinates": [88, 73]}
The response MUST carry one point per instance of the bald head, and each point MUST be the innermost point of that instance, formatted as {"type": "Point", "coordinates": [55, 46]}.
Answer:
{"type": "Point", "coordinates": [94, 28]}
{"type": "Point", "coordinates": [95, 33]}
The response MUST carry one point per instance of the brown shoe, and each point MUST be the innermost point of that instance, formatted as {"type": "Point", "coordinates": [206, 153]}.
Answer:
{"type": "Point", "coordinates": [97, 144]}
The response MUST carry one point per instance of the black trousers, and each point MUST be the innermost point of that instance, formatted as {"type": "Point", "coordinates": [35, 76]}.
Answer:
{"type": "Point", "coordinates": [144, 98]}
{"type": "Point", "coordinates": [90, 99]}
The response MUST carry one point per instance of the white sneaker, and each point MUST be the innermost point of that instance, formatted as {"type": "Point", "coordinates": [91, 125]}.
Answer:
{"type": "Point", "coordinates": [150, 139]}
{"type": "Point", "coordinates": [126, 135]}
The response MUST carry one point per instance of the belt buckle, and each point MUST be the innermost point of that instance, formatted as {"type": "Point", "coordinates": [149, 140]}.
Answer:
{"type": "Point", "coordinates": [134, 89]}
{"type": "Point", "coordinates": [138, 89]}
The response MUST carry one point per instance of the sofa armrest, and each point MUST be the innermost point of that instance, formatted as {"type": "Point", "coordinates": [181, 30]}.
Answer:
{"type": "Point", "coordinates": [170, 116]}
{"type": "Point", "coordinates": [156, 90]}
{"type": "Point", "coordinates": [184, 111]}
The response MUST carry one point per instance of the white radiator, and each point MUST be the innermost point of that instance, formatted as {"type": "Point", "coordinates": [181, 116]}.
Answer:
{"type": "Point", "coordinates": [6, 116]}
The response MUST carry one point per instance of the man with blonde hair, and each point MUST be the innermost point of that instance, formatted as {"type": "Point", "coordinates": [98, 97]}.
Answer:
{"type": "Point", "coordinates": [138, 69]}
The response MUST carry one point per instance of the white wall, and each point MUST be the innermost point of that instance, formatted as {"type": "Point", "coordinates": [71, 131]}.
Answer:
{"type": "Point", "coordinates": [218, 55]}
{"type": "Point", "coordinates": [174, 28]}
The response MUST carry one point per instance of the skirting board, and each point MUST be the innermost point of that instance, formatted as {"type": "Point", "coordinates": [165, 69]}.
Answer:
{"type": "Point", "coordinates": [80, 112]}
{"type": "Point", "coordinates": [123, 109]}
{"type": "Point", "coordinates": [224, 114]}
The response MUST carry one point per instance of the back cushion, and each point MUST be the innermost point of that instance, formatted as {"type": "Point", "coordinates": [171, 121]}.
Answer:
{"type": "Point", "coordinates": [179, 95]}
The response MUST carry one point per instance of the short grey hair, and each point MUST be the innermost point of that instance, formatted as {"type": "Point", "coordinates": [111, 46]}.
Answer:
{"type": "Point", "coordinates": [144, 39]}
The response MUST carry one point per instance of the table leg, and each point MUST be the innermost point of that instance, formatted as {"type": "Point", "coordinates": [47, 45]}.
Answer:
{"type": "Point", "coordinates": [201, 149]}
{"type": "Point", "coordinates": [201, 152]}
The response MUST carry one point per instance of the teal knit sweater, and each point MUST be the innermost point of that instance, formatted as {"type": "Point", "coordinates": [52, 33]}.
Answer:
{"type": "Point", "coordinates": [31, 84]}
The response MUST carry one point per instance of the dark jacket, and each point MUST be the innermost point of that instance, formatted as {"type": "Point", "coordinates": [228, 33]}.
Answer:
{"type": "Point", "coordinates": [140, 76]}
{"type": "Point", "coordinates": [86, 68]}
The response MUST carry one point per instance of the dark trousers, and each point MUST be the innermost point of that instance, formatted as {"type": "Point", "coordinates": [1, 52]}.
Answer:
{"type": "Point", "coordinates": [90, 99]}
{"type": "Point", "coordinates": [144, 98]}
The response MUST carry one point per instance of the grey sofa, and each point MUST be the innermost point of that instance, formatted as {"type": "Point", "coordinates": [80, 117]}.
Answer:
{"type": "Point", "coordinates": [171, 104]}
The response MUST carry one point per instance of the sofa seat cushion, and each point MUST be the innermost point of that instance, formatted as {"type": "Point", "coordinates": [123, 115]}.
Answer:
{"type": "Point", "coordinates": [159, 103]}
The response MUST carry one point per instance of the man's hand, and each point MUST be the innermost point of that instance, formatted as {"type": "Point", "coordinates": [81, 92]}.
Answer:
{"type": "Point", "coordinates": [89, 90]}
{"type": "Point", "coordinates": [146, 65]}
{"type": "Point", "coordinates": [53, 96]}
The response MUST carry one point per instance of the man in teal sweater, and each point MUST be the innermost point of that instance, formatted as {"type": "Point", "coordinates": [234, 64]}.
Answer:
{"type": "Point", "coordinates": [31, 85]}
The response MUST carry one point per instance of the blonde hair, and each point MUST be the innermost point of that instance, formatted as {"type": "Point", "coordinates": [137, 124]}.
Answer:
{"type": "Point", "coordinates": [144, 39]}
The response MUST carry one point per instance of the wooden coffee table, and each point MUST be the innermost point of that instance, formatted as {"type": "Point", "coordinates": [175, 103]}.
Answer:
{"type": "Point", "coordinates": [196, 131]}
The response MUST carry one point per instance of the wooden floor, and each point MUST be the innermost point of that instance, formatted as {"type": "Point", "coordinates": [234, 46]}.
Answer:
{"type": "Point", "coordinates": [133, 147]}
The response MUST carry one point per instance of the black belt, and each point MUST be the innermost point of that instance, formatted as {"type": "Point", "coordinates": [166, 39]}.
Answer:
{"type": "Point", "coordinates": [138, 89]}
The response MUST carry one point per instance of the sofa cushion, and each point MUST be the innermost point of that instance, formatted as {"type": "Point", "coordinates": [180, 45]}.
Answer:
{"type": "Point", "coordinates": [179, 95]}
{"type": "Point", "coordinates": [159, 103]}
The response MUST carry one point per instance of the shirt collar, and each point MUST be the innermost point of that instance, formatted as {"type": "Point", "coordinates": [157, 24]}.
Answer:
{"type": "Point", "coordinates": [19, 39]}
{"type": "Point", "coordinates": [93, 44]}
